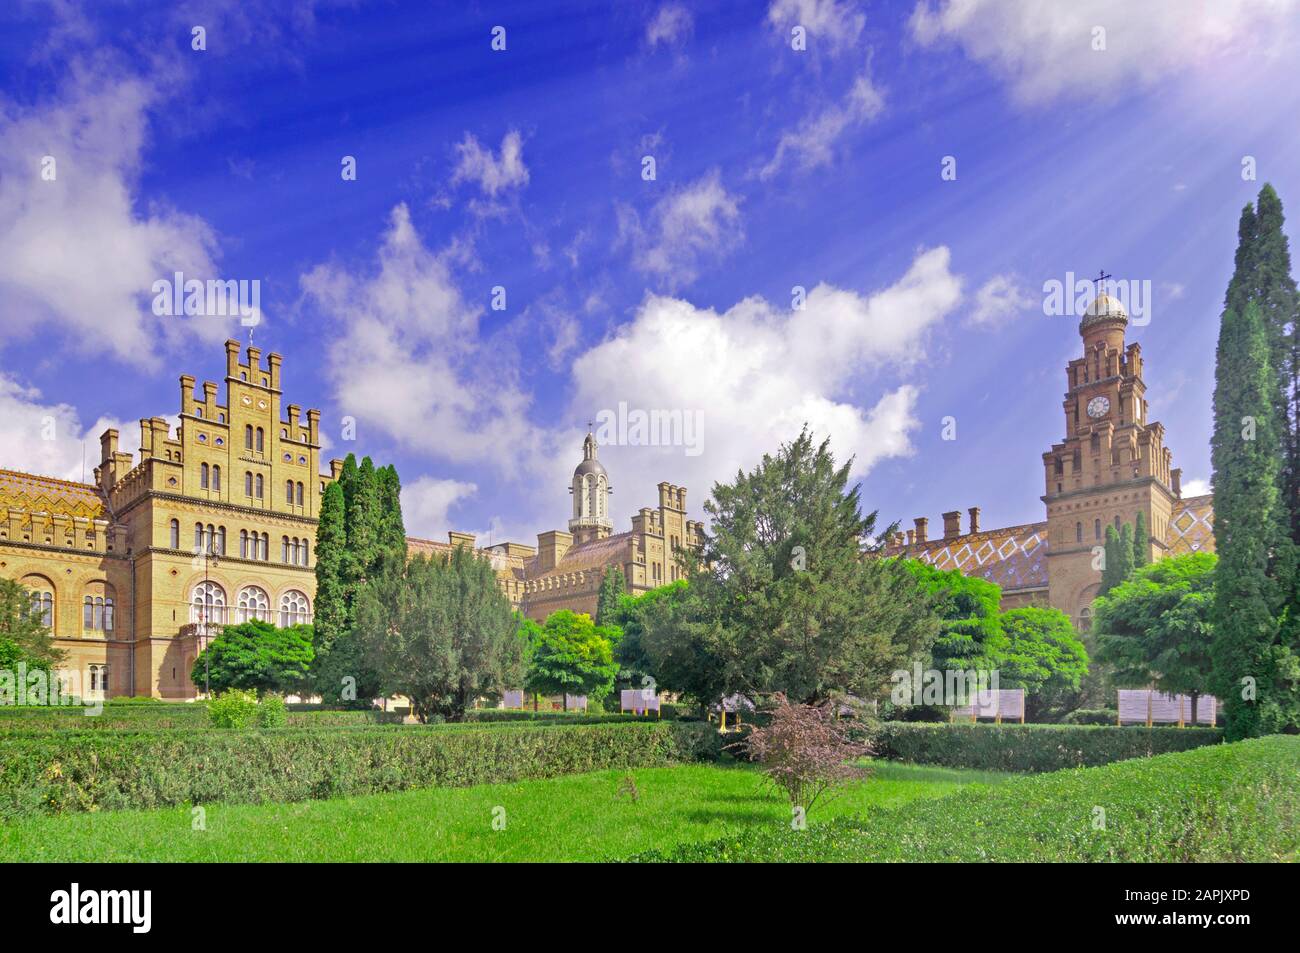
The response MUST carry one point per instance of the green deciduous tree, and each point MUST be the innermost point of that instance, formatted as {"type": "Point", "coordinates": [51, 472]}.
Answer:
{"type": "Point", "coordinates": [1043, 654]}
{"type": "Point", "coordinates": [970, 633]}
{"type": "Point", "coordinates": [782, 598]}
{"type": "Point", "coordinates": [571, 655]}
{"type": "Point", "coordinates": [1155, 628]}
{"type": "Point", "coordinates": [256, 656]}
{"type": "Point", "coordinates": [439, 631]}
{"type": "Point", "coordinates": [24, 637]}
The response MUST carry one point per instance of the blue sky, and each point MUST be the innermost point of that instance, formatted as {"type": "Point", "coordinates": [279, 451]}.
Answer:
{"type": "Point", "coordinates": [522, 169]}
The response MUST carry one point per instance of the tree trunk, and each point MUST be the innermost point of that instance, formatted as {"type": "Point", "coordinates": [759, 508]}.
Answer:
{"type": "Point", "coordinates": [1195, 698]}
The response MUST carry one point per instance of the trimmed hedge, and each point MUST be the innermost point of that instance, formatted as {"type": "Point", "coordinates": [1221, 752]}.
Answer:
{"type": "Point", "coordinates": [569, 718]}
{"type": "Point", "coordinates": [1235, 802]}
{"type": "Point", "coordinates": [143, 717]}
{"type": "Point", "coordinates": [1031, 747]}
{"type": "Point", "coordinates": [56, 772]}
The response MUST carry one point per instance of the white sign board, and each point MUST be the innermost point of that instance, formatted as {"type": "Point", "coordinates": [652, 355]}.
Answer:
{"type": "Point", "coordinates": [512, 700]}
{"type": "Point", "coordinates": [1137, 705]}
{"type": "Point", "coordinates": [575, 702]}
{"type": "Point", "coordinates": [638, 700]}
{"type": "Point", "coordinates": [1004, 702]}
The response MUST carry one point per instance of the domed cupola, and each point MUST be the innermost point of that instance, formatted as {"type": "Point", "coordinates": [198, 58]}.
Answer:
{"type": "Point", "coordinates": [590, 491]}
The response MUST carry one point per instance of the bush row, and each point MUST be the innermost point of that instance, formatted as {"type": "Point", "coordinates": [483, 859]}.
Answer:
{"type": "Point", "coordinates": [57, 772]}
{"type": "Point", "coordinates": [1031, 747]}
{"type": "Point", "coordinates": [1236, 802]}
{"type": "Point", "coordinates": [568, 718]}
{"type": "Point", "coordinates": [166, 716]}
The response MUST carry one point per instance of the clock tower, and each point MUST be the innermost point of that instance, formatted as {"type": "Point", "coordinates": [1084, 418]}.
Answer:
{"type": "Point", "coordinates": [1112, 464]}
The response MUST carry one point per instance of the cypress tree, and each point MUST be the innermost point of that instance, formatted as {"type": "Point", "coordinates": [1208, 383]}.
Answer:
{"type": "Point", "coordinates": [1110, 577]}
{"type": "Point", "coordinates": [612, 587]}
{"type": "Point", "coordinates": [1246, 457]}
{"type": "Point", "coordinates": [1141, 541]}
{"type": "Point", "coordinates": [1125, 553]}
{"type": "Point", "coordinates": [330, 616]}
{"type": "Point", "coordinates": [392, 528]}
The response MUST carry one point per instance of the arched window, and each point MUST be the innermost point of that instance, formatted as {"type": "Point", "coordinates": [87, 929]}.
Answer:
{"type": "Point", "coordinates": [1078, 532]}
{"type": "Point", "coordinates": [1117, 525]}
{"type": "Point", "coordinates": [261, 441]}
{"type": "Point", "coordinates": [294, 609]}
{"type": "Point", "coordinates": [243, 544]}
{"type": "Point", "coordinates": [216, 477]}
{"type": "Point", "coordinates": [248, 436]}
{"type": "Point", "coordinates": [198, 537]}
{"type": "Point", "coordinates": [284, 549]}
{"type": "Point", "coordinates": [248, 483]}
{"type": "Point", "coordinates": [1085, 619]}
{"type": "Point", "coordinates": [208, 603]}
{"type": "Point", "coordinates": [300, 494]}
{"type": "Point", "coordinates": [1096, 528]}
{"type": "Point", "coordinates": [258, 486]}
{"type": "Point", "coordinates": [175, 538]}
{"type": "Point", "coordinates": [203, 476]}
{"type": "Point", "coordinates": [219, 543]}
{"type": "Point", "coordinates": [254, 604]}
{"type": "Point", "coordinates": [288, 492]}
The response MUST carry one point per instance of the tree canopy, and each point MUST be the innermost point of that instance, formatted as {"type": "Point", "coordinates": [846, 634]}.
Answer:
{"type": "Point", "coordinates": [256, 656]}
{"type": "Point", "coordinates": [569, 654]}
{"type": "Point", "coordinates": [1156, 628]}
{"type": "Point", "coordinates": [781, 598]}
{"type": "Point", "coordinates": [439, 631]}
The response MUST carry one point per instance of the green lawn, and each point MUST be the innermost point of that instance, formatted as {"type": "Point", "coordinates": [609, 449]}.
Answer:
{"type": "Point", "coordinates": [580, 817]}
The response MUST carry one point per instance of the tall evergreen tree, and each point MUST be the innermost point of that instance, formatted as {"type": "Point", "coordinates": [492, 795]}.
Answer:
{"type": "Point", "coordinates": [1110, 567]}
{"type": "Point", "coordinates": [371, 529]}
{"type": "Point", "coordinates": [1141, 541]}
{"type": "Point", "coordinates": [612, 587]}
{"type": "Point", "coordinates": [1246, 457]}
{"type": "Point", "coordinates": [330, 615]}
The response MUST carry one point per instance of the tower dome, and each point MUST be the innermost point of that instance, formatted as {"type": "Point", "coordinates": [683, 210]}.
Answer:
{"type": "Point", "coordinates": [590, 491]}
{"type": "Point", "coordinates": [1104, 307]}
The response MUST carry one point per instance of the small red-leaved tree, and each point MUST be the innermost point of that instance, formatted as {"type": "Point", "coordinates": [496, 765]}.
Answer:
{"type": "Point", "coordinates": [805, 750]}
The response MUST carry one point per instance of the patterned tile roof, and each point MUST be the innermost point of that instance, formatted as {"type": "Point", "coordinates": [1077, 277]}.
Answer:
{"type": "Point", "coordinates": [1014, 557]}
{"type": "Point", "coordinates": [27, 491]}
{"type": "Point", "coordinates": [1191, 528]}
{"type": "Point", "coordinates": [593, 554]}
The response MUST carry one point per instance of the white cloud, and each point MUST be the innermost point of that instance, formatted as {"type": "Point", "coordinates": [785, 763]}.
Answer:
{"type": "Point", "coordinates": [758, 371]}
{"type": "Point", "coordinates": [49, 440]}
{"type": "Point", "coordinates": [81, 252]}
{"type": "Point", "coordinates": [426, 502]}
{"type": "Point", "coordinates": [837, 25]}
{"type": "Point", "coordinates": [671, 23]}
{"type": "Point", "coordinates": [699, 219]}
{"type": "Point", "coordinates": [812, 143]}
{"type": "Point", "coordinates": [1195, 487]}
{"type": "Point", "coordinates": [406, 357]}
{"type": "Point", "coordinates": [492, 173]}
{"type": "Point", "coordinates": [999, 300]}
{"type": "Point", "coordinates": [1046, 50]}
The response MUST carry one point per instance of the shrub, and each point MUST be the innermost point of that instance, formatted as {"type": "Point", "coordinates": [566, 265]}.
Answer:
{"type": "Point", "coordinates": [271, 712]}
{"type": "Point", "coordinates": [236, 708]}
{"type": "Point", "coordinates": [1237, 802]}
{"type": "Point", "coordinates": [1031, 747]}
{"type": "Point", "coordinates": [63, 771]}
{"type": "Point", "coordinates": [804, 750]}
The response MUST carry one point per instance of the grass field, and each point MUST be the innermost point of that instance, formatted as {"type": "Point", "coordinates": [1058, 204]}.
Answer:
{"type": "Point", "coordinates": [575, 818]}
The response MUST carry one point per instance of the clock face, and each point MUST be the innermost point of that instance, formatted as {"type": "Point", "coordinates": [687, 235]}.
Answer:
{"type": "Point", "coordinates": [1098, 406]}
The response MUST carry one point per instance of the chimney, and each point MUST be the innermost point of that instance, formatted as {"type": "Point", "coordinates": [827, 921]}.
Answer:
{"type": "Point", "coordinates": [187, 392]}
{"type": "Point", "coordinates": [273, 362]}
{"type": "Point", "coordinates": [922, 528]}
{"type": "Point", "coordinates": [974, 512]}
{"type": "Point", "coordinates": [952, 524]}
{"type": "Point", "coordinates": [1176, 477]}
{"type": "Point", "coordinates": [910, 536]}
